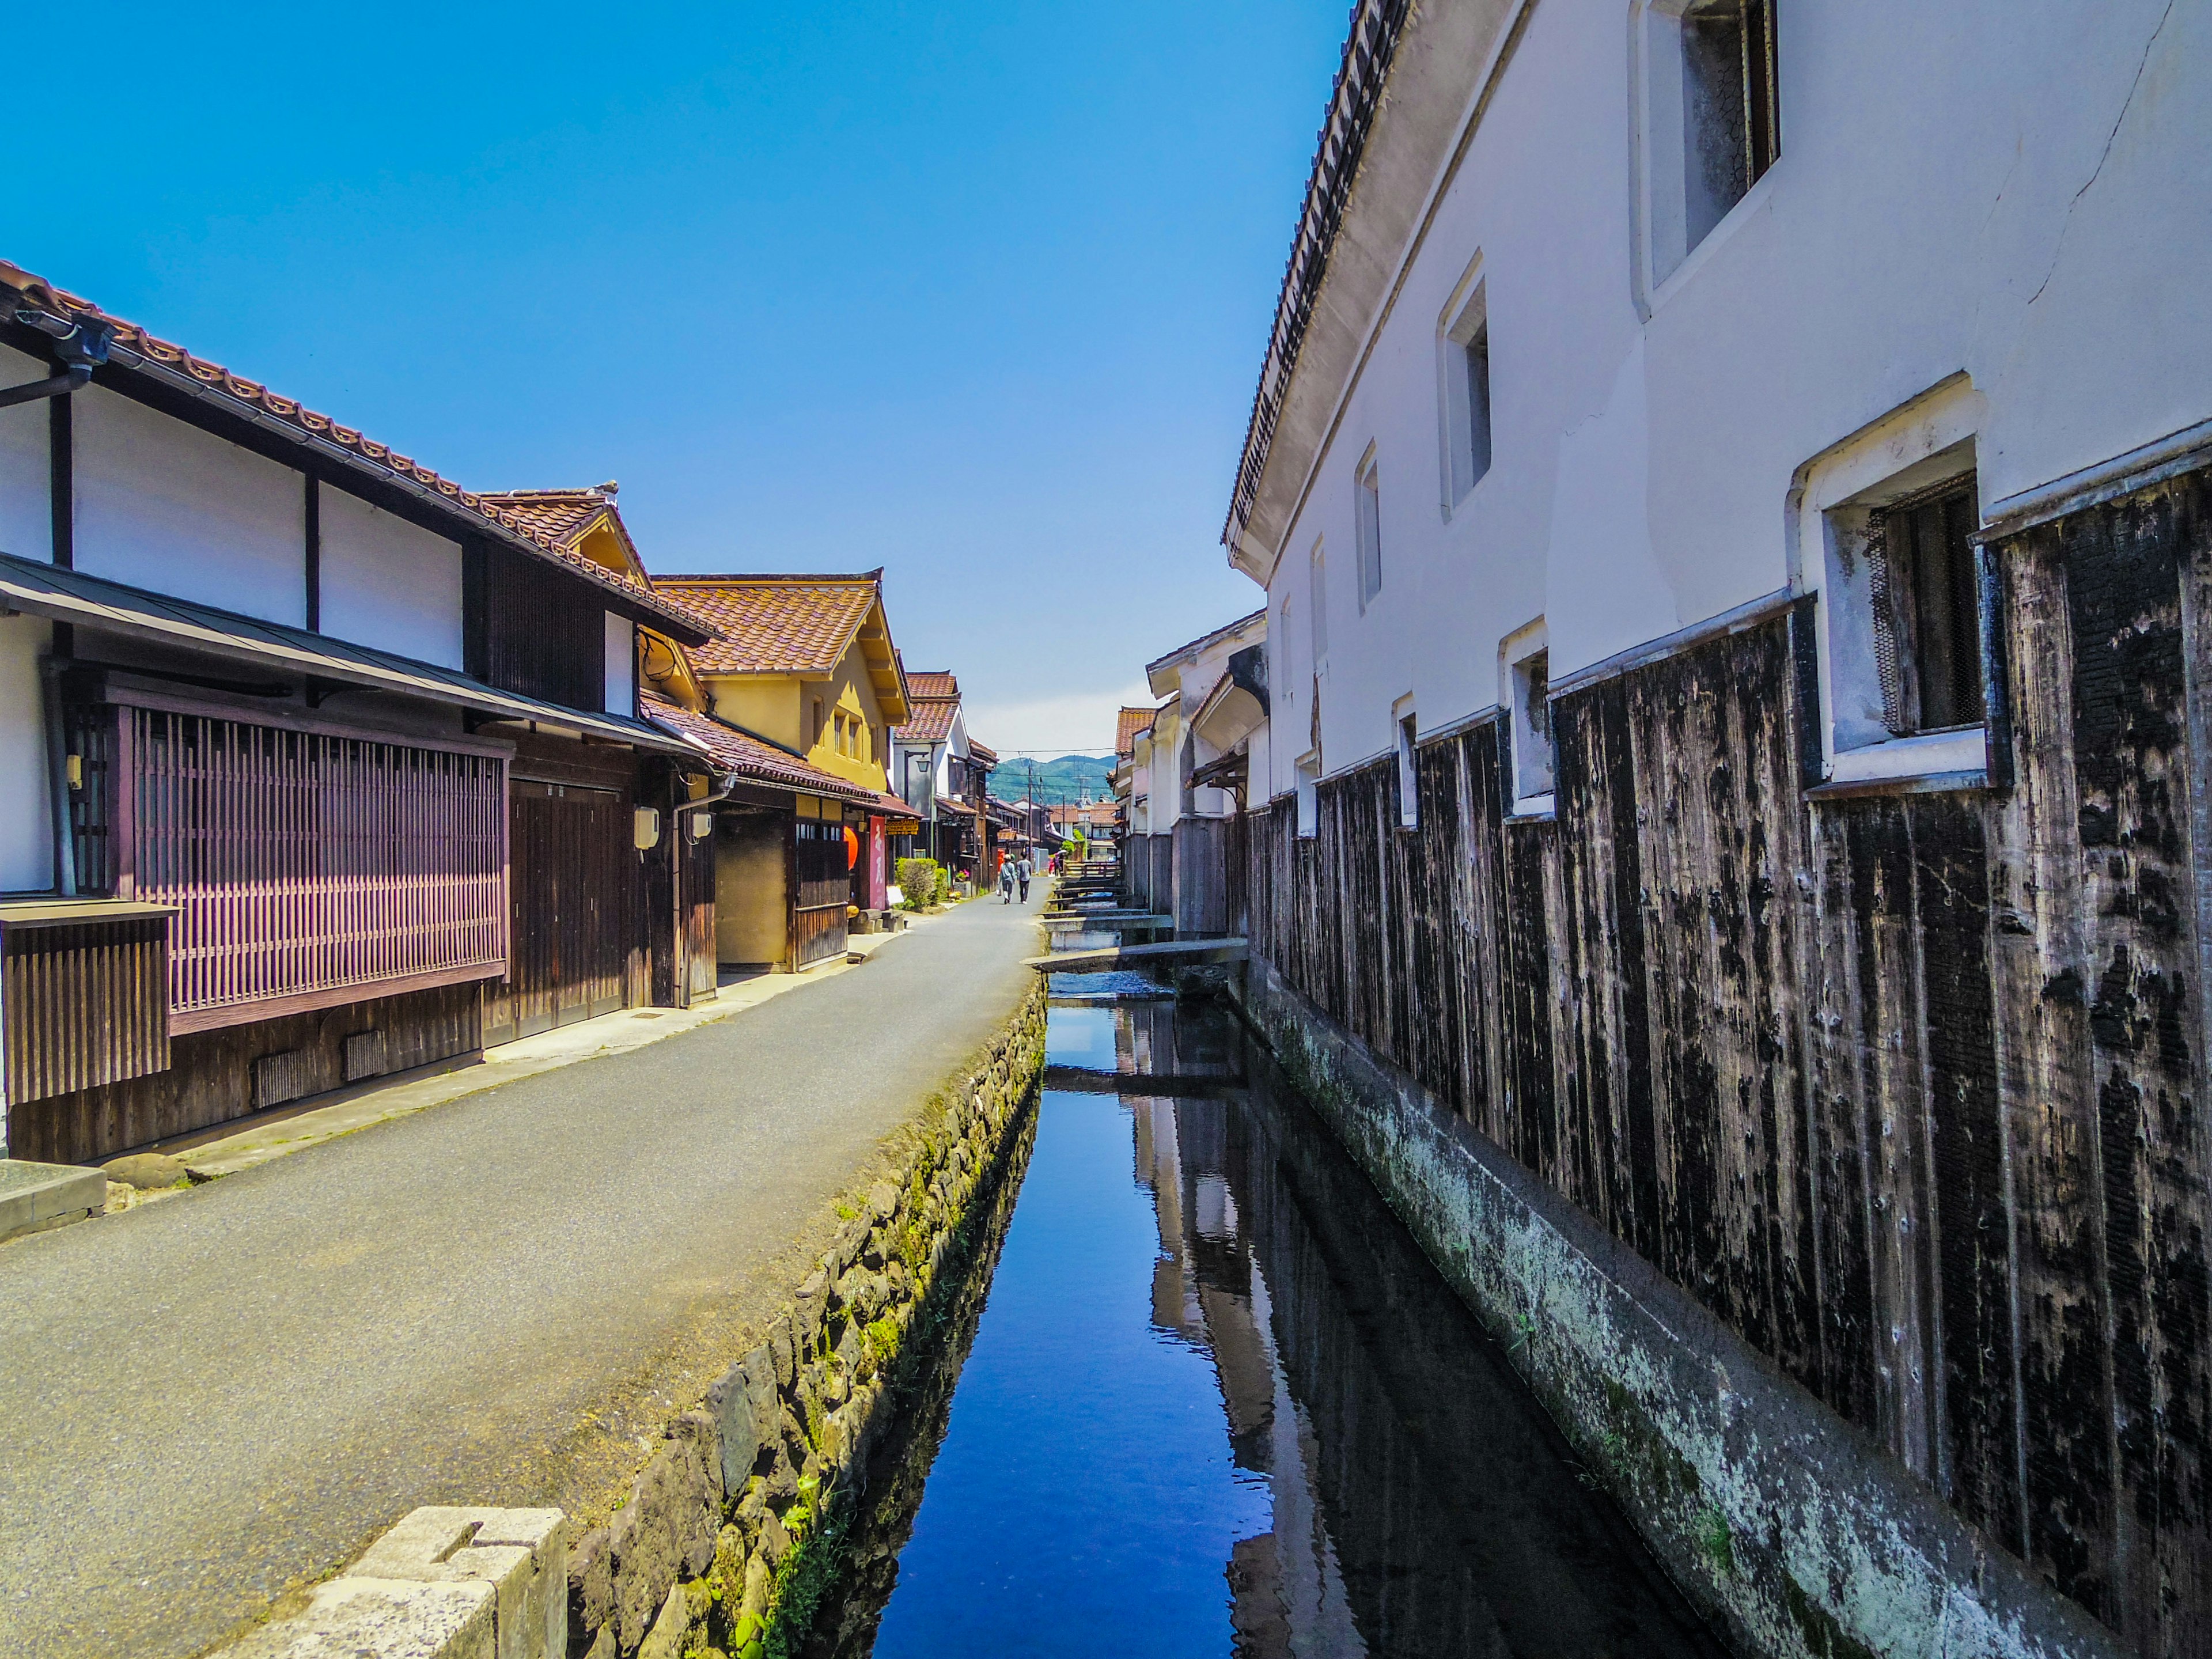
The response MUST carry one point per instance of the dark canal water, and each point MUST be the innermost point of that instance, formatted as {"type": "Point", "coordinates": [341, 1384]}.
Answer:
{"type": "Point", "coordinates": [1214, 1401]}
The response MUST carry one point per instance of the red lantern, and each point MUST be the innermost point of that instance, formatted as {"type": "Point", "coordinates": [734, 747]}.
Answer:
{"type": "Point", "coordinates": [851, 848]}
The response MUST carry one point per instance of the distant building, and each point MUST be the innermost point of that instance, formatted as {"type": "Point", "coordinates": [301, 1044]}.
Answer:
{"type": "Point", "coordinates": [938, 773]}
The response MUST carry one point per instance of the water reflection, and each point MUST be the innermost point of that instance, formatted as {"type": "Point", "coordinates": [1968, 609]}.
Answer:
{"type": "Point", "coordinates": [1226, 1406]}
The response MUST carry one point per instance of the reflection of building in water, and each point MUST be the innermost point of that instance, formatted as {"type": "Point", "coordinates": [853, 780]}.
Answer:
{"type": "Point", "coordinates": [1287, 1596]}
{"type": "Point", "coordinates": [1419, 1504]}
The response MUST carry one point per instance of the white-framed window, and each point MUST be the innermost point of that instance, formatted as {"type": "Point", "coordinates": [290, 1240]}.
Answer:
{"type": "Point", "coordinates": [1317, 598]}
{"type": "Point", "coordinates": [1885, 537]}
{"type": "Point", "coordinates": [1409, 781]}
{"type": "Point", "coordinates": [1524, 662]}
{"type": "Point", "coordinates": [1464, 353]}
{"type": "Point", "coordinates": [1367, 518]}
{"type": "Point", "coordinates": [1308, 775]}
{"type": "Point", "coordinates": [1712, 122]}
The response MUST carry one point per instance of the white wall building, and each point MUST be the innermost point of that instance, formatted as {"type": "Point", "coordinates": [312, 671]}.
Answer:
{"type": "Point", "coordinates": [1980, 239]}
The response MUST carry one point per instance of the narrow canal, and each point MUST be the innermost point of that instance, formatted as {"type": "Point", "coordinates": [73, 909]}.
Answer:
{"type": "Point", "coordinates": [1214, 1401]}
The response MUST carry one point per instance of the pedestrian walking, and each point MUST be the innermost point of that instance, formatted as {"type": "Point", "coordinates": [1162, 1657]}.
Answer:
{"type": "Point", "coordinates": [1024, 870]}
{"type": "Point", "coordinates": [1006, 882]}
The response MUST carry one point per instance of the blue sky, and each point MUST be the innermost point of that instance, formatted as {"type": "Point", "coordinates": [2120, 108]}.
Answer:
{"type": "Point", "coordinates": [977, 293]}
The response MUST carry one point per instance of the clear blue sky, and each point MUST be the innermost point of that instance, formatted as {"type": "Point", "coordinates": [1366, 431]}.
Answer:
{"type": "Point", "coordinates": [975, 293]}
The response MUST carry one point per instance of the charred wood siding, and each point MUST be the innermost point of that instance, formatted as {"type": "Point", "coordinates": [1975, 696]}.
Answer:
{"type": "Point", "coordinates": [1906, 1088]}
{"type": "Point", "coordinates": [84, 1004]}
{"type": "Point", "coordinates": [526, 629]}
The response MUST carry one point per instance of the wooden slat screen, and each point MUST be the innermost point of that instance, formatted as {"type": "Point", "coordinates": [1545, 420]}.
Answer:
{"type": "Point", "coordinates": [302, 863]}
{"type": "Point", "coordinates": [81, 1006]}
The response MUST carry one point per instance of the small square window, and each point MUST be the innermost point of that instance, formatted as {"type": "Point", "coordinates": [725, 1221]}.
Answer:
{"type": "Point", "coordinates": [1367, 505]}
{"type": "Point", "coordinates": [1927, 611]}
{"type": "Point", "coordinates": [1467, 397]}
{"type": "Point", "coordinates": [1711, 115]}
{"type": "Point", "coordinates": [1409, 794]}
{"type": "Point", "coordinates": [1309, 797]}
{"type": "Point", "coordinates": [1532, 747]}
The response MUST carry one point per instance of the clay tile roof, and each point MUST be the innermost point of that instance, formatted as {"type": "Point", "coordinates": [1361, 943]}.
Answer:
{"type": "Point", "coordinates": [559, 515]}
{"type": "Point", "coordinates": [1133, 723]}
{"type": "Point", "coordinates": [931, 683]}
{"type": "Point", "coordinates": [932, 720]}
{"type": "Point", "coordinates": [977, 751]}
{"type": "Point", "coordinates": [934, 697]}
{"type": "Point", "coordinates": [134, 344]}
{"type": "Point", "coordinates": [774, 624]}
{"type": "Point", "coordinates": [750, 756]}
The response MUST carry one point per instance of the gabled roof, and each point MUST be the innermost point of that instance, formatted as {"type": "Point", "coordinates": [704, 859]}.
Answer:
{"type": "Point", "coordinates": [565, 517]}
{"type": "Point", "coordinates": [134, 347]}
{"type": "Point", "coordinates": [934, 695]}
{"type": "Point", "coordinates": [1135, 723]}
{"type": "Point", "coordinates": [932, 683]}
{"type": "Point", "coordinates": [795, 625]}
{"type": "Point", "coordinates": [750, 756]}
{"type": "Point", "coordinates": [977, 752]}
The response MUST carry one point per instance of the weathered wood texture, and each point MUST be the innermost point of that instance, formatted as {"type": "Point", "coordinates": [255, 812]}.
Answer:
{"type": "Point", "coordinates": [527, 629]}
{"type": "Point", "coordinates": [83, 1004]}
{"type": "Point", "coordinates": [209, 1080]}
{"type": "Point", "coordinates": [1905, 1088]}
{"type": "Point", "coordinates": [1201, 876]}
{"type": "Point", "coordinates": [575, 881]}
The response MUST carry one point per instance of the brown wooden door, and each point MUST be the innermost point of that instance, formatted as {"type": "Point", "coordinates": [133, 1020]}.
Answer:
{"type": "Point", "coordinates": [822, 886]}
{"type": "Point", "coordinates": [567, 880]}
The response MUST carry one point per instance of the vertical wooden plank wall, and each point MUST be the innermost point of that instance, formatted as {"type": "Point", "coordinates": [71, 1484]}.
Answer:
{"type": "Point", "coordinates": [1907, 1089]}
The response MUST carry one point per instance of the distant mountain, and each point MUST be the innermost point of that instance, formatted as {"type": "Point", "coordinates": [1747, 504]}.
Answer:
{"type": "Point", "coordinates": [1061, 780]}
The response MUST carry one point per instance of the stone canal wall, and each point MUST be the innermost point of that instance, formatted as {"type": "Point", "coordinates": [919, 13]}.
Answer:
{"type": "Point", "coordinates": [729, 1533]}
{"type": "Point", "coordinates": [1792, 1529]}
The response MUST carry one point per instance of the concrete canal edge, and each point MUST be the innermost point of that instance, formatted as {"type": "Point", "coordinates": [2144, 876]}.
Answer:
{"type": "Point", "coordinates": [1790, 1529]}
{"type": "Point", "coordinates": [729, 1535]}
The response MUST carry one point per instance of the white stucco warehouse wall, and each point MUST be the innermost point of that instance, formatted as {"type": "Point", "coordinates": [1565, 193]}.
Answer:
{"type": "Point", "coordinates": [2015, 195]}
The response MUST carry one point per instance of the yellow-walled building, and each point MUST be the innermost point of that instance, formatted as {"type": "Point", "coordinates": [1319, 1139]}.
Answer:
{"type": "Point", "coordinates": [806, 667]}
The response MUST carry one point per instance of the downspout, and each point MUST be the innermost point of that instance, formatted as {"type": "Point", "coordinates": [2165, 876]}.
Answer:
{"type": "Point", "coordinates": [81, 345]}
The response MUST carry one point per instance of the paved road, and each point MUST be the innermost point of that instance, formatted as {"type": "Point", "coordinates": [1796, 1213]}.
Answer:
{"type": "Point", "coordinates": [209, 1398]}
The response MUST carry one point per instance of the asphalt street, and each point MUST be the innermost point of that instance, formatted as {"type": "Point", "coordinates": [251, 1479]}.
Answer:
{"type": "Point", "coordinates": [214, 1398]}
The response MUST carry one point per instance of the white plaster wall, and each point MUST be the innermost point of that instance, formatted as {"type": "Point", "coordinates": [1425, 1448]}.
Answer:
{"type": "Point", "coordinates": [622, 664]}
{"type": "Point", "coordinates": [27, 844]}
{"type": "Point", "coordinates": [26, 519]}
{"type": "Point", "coordinates": [2015, 194]}
{"type": "Point", "coordinates": [388, 583]}
{"type": "Point", "coordinates": [164, 506]}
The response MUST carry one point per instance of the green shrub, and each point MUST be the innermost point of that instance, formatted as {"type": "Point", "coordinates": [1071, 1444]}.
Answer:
{"type": "Point", "coordinates": [922, 882]}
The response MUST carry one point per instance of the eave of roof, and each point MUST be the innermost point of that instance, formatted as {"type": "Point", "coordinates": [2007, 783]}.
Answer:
{"type": "Point", "coordinates": [93, 602]}
{"type": "Point", "coordinates": [136, 350]}
{"type": "Point", "coordinates": [1189, 652]}
{"type": "Point", "coordinates": [751, 756]}
{"type": "Point", "coordinates": [1370, 46]}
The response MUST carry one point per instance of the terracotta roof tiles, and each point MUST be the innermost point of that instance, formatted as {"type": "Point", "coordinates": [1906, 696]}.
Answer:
{"type": "Point", "coordinates": [931, 683]}
{"type": "Point", "coordinates": [774, 624]}
{"type": "Point", "coordinates": [750, 756]}
{"type": "Point", "coordinates": [931, 721]}
{"type": "Point", "coordinates": [1133, 723]}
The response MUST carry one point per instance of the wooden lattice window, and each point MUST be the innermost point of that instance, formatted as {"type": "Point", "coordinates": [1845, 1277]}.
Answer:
{"type": "Point", "coordinates": [306, 866]}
